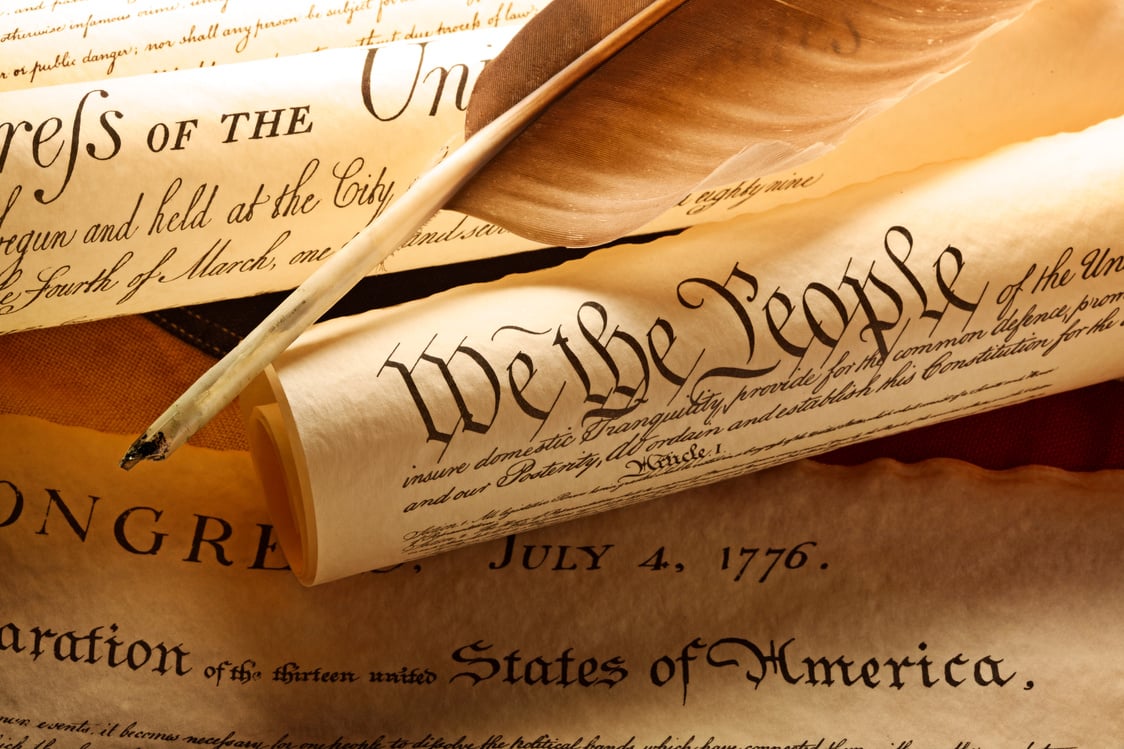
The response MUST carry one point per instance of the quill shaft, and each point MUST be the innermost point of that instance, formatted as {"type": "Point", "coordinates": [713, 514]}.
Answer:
{"type": "Point", "coordinates": [220, 385]}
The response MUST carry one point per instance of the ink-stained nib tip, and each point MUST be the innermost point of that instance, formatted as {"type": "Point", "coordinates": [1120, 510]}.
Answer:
{"type": "Point", "coordinates": [145, 448]}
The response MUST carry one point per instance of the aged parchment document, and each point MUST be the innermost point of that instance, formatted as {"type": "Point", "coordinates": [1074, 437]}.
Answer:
{"type": "Point", "coordinates": [932, 606]}
{"type": "Point", "coordinates": [641, 370]}
{"type": "Point", "coordinates": [239, 183]}
{"type": "Point", "coordinates": [236, 179]}
{"type": "Point", "coordinates": [60, 41]}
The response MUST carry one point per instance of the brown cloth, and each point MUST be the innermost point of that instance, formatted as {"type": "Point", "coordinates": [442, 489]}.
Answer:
{"type": "Point", "coordinates": [113, 375]}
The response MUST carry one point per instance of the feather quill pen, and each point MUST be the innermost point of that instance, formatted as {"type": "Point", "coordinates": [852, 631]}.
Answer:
{"type": "Point", "coordinates": [599, 116]}
{"type": "Point", "coordinates": [752, 86]}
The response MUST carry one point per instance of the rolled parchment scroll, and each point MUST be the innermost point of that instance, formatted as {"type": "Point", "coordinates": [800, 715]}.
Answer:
{"type": "Point", "coordinates": [641, 370]}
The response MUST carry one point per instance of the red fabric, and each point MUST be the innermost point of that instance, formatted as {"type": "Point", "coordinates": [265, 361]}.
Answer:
{"type": "Point", "coordinates": [1082, 430]}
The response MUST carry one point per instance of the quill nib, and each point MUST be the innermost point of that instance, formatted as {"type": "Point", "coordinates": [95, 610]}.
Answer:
{"type": "Point", "coordinates": [145, 448]}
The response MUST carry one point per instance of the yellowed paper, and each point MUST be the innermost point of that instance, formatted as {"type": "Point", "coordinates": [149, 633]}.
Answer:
{"type": "Point", "coordinates": [240, 183]}
{"type": "Point", "coordinates": [251, 174]}
{"type": "Point", "coordinates": [60, 41]}
{"type": "Point", "coordinates": [930, 607]}
{"type": "Point", "coordinates": [642, 370]}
